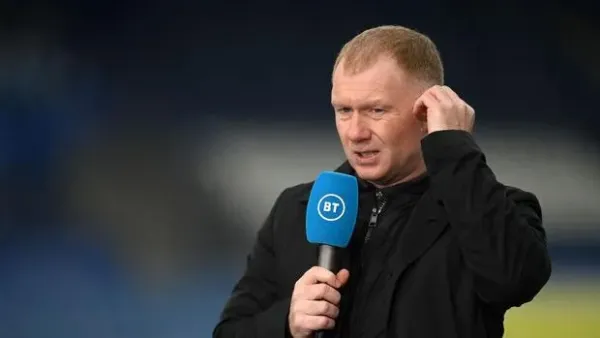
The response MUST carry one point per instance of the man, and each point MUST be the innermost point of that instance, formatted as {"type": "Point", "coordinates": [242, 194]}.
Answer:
{"type": "Point", "coordinates": [449, 248]}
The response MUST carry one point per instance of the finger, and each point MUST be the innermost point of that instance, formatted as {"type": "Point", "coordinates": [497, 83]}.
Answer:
{"type": "Point", "coordinates": [343, 276]}
{"type": "Point", "coordinates": [315, 323]}
{"type": "Point", "coordinates": [423, 103]}
{"type": "Point", "coordinates": [471, 112]}
{"type": "Point", "coordinates": [470, 109]}
{"type": "Point", "coordinates": [318, 308]}
{"type": "Point", "coordinates": [321, 292]}
{"type": "Point", "coordinates": [459, 102]}
{"type": "Point", "coordinates": [452, 94]}
{"type": "Point", "coordinates": [318, 274]}
{"type": "Point", "coordinates": [431, 101]}
{"type": "Point", "coordinates": [440, 94]}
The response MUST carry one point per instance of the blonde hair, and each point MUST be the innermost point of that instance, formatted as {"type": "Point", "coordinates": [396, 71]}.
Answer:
{"type": "Point", "coordinates": [413, 51]}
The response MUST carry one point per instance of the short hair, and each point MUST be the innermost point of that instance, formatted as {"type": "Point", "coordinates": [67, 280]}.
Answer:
{"type": "Point", "coordinates": [413, 51]}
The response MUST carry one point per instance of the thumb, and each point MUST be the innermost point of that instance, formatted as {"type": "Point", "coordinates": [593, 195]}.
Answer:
{"type": "Point", "coordinates": [343, 277]}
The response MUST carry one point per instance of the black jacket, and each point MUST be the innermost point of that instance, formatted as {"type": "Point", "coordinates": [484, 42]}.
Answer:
{"type": "Point", "coordinates": [471, 249]}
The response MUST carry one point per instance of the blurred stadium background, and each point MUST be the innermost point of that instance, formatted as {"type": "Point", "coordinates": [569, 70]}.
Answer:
{"type": "Point", "coordinates": [141, 145]}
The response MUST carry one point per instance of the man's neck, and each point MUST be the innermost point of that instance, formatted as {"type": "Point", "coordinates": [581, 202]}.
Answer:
{"type": "Point", "coordinates": [420, 171]}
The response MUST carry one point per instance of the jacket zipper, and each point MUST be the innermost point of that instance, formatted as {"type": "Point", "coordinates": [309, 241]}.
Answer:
{"type": "Point", "coordinates": [380, 204]}
{"type": "Point", "coordinates": [375, 212]}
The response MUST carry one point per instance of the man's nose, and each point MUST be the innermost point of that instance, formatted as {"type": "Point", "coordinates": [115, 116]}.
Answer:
{"type": "Point", "coordinates": [358, 130]}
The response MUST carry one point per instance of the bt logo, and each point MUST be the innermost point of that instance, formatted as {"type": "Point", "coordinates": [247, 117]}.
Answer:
{"type": "Point", "coordinates": [331, 207]}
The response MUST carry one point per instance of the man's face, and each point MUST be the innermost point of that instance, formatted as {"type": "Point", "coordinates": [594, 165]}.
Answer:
{"type": "Point", "coordinates": [380, 134]}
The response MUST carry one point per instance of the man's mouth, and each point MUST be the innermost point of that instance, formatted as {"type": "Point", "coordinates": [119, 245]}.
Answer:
{"type": "Point", "coordinates": [366, 154]}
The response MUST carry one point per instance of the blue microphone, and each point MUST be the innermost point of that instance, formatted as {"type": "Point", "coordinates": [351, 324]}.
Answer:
{"type": "Point", "coordinates": [331, 215]}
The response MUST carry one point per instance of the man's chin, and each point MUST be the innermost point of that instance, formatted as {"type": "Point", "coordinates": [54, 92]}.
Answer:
{"type": "Point", "coordinates": [372, 174]}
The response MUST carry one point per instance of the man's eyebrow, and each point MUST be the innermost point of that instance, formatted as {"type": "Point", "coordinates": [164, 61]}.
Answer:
{"type": "Point", "coordinates": [369, 103]}
{"type": "Point", "coordinates": [375, 101]}
{"type": "Point", "coordinates": [339, 103]}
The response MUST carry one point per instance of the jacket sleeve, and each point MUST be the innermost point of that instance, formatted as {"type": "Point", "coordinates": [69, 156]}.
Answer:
{"type": "Point", "coordinates": [254, 308]}
{"type": "Point", "coordinates": [499, 229]}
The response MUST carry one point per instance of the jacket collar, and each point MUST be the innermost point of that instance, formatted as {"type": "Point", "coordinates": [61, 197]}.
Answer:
{"type": "Point", "coordinates": [363, 186]}
{"type": "Point", "coordinates": [344, 168]}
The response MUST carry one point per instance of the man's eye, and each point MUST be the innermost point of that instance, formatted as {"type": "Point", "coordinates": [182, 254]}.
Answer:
{"type": "Point", "coordinates": [378, 110]}
{"type": "Point", "coordinates": [344, 110]}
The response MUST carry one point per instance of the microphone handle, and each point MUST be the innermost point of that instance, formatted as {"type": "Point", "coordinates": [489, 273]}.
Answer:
{"type": "Point", "coordinates": [329, 259]}
{"type": "Point", "coordinates": [320, 334]}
